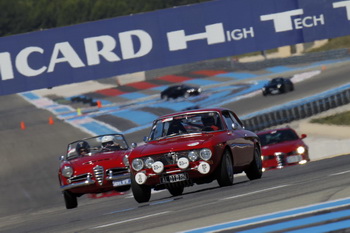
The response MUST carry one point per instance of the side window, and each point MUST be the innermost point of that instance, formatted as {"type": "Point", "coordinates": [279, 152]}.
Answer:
{"type": "Point", "coordinates": [231, 121]}
{"type": "Point", "coordinates": [228, 120]}
{"type": "Point", "coordinates": [237, 123]}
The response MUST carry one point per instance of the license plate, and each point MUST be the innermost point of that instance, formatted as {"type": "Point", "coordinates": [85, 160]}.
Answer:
{"type": "Point", "coordinates": [175, 178]}
{"type": "Point", "coordinates": [117, 183]}
{"type": "Point", "coordinates": [293, 159]}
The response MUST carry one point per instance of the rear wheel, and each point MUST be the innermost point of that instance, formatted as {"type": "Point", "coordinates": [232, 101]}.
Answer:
{"type": "Point", "coordinates": [70, 200]}
{"type": "Point", "coordinates": [176, 191]}
{"type": "Point", "coordinates": [142, 193]}
{"type": "Point", "coordinates": [255, 168]}
{"type": "Point", "coordinates": [225, 174]}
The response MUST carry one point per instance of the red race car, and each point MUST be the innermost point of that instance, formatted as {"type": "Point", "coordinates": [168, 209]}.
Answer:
{"type": "Point", "coordinates": [282, 147]}
{"type": "Point", "coordinates": [94, 165]}
{"type": "Point", "coordinates": [193, 147]}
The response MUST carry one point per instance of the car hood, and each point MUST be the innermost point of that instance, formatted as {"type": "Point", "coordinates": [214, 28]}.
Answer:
{"type": "Point", "coordinates": [108, 159]}
{"type": "Point", "coordinates": [284, 147]}
{"type": "Point", "coordinates": [174, 144]}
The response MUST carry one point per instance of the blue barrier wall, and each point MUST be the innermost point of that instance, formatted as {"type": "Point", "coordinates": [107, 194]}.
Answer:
{"type": "Point", "coordinates": [164, 38]}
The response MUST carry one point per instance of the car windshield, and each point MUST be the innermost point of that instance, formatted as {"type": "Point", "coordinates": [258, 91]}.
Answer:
{"type": "Point", "coordinates": [185, 124]}
{"type": "Point", "coordinates": [277, 80]}
{"type": "Point", "coordinates": [98, 144]}
{"type": "Point", "coordinates": [277, 136]}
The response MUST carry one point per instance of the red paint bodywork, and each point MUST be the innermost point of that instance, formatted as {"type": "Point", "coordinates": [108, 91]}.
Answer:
{"type": "Point", "coordinates": [83, 166]}
{"type": "Point", "coordinates": [239, 142]}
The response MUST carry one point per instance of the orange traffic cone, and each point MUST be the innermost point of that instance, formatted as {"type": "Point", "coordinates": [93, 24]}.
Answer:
{"type": "Point", "coordinates": [23, 126]}
{"type": "Point", "coordinates": [50, 121]}
{"type": "Point", "coordinates": [99, 104]}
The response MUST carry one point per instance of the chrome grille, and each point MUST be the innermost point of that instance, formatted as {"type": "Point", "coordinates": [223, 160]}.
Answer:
{"type": "Point", "coordinates": [99, 174]}
{"type": "Point", "coordinates": [117, 171]}
{"type": "Point", "coordinates": [78, 178]}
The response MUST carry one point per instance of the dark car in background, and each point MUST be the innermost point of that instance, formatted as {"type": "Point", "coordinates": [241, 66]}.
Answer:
{"type": "Point", "coordinates": [182, 90]}
{"type": "Point", "coordinates": [278, 86]}
{"type": "Point", "coordinates": [94, 165]}
{"type": "Point", "coordinates": [194, 147]}
{"type": "Point", "coordinates": [282, 147]}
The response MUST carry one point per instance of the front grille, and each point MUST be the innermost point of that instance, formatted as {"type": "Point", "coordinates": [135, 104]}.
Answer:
{"type": "Point", "coordinates": [78, 178]}
{"type": "Point", "coordinates": [117, 171]}
{"type": "Point", "coordinates": [170, 158]}
{"type": "Point", "coordinates": [99, 174]}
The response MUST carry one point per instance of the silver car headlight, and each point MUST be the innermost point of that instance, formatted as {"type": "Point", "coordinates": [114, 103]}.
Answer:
{"type": "Point", "coordinates": [193, 155]}
{"type": "Point", "coordinates": [67, 171]}
{"type": "Point", "coordinates": [148, 162]}
{"type": "Point", "coordinates": [137, 164]}
{"type": "Point", "coordinates": [205, 154]}
{"type": "Point", "coordinates": [301, 150]}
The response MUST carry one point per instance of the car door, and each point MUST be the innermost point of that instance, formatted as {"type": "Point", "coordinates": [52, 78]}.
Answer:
{"type": "Point", "coordinates": [241, 143]}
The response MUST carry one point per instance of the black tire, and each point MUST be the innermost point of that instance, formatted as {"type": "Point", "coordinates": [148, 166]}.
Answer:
{"type": "Point", "coordinates": [142, 193]}
{"type": "Point", "coordinates": [292, 87]}
{"type": "Point", "coordinates": [254, 170]}
{"type": "Point", "coordinates": [70, 200]}
{"type": "Point", "coordinates": [123, 189]}
{"type": "Point", "coordinates": [176, 191]}
{"type": "Point", "coordinates": [225, 173]}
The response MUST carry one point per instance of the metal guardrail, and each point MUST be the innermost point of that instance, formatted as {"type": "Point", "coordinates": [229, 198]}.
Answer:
{"type": "Point", "coordinates": [298, 110]}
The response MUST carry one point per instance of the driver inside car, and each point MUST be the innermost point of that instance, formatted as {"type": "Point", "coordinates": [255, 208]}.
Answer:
{"type": "Point", "coordinates": [209, 123]}
{"type": "Point", "coordinates": [83, 149]}
{"type": "Point", "coordinates": [108, 143]}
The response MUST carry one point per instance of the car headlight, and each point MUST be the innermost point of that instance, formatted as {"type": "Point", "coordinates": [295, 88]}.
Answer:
{"type": "Point", "coordinates": [301, 150]}
{"type": "Point", "coordinates": [205, 154]}
{"type": "Point", "coordinates": [67, 171]}
{"type": "Point", "coordinates": [148, 162]}
{"type": "Point", "coordinates": [192, 155]}
{"type": "Point", "coordinates": [126, 161]}
{"type": "Point", "coordinates": [137, 164]}
{"type": "Point", "coordinates": [279, 85]}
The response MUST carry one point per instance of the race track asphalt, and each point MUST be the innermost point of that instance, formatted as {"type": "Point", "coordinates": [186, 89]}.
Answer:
{"type": "Point", "coordinates": [29, 157]}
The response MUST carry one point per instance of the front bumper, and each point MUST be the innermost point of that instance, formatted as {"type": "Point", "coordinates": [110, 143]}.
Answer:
{"type": "Point", "coordinates": [121, 180]}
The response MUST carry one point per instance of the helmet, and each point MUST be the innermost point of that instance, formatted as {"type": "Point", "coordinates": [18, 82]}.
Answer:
{"type": "Point", "coordinates": [109, 139]}
{"type": "Point", "coordinates": [82, 145]}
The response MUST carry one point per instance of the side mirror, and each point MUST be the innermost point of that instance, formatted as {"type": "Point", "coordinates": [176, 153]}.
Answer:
{"type": "Point", "coordinates": [303, 136]}
{"type": "Point", "coordinates": [61, 158]}
{"type": "Point", "coordinates": [134, 145]}
{"type": "Point", "coordinates": [234, 126]}
{"type": "Point", "coordinates": [145, 139]}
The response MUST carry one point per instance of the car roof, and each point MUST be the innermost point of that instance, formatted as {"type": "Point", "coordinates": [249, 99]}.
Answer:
{"type": "Point", "coordinates": [195, 111]}
{"type": "Point", "coordinates": [272, 130]}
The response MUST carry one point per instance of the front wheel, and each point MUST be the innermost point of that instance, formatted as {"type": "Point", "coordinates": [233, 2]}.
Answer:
{"type": "Point", "coordinates": [225, 174]}
{"type": "Point", "coordinates": [176, 191]}
{"type": "Point", "coordinates": [70, 200]}
{"type": "Point", "coordinates": [142, 193]}
{"type": "Point", "coordinates": [254, 171]}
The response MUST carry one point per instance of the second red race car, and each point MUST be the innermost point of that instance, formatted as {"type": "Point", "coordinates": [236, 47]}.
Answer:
{"type": "Point", "coordinates": [282, 147]}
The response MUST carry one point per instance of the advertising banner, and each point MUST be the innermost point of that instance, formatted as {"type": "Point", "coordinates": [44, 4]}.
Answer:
{"type": "Point", "coordinates": [180, 35]}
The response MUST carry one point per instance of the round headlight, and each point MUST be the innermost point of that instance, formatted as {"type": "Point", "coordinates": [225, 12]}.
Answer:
{"type": "Point", "coordinates": [148, 162]}
{"type": "Point", "coordinates": [301, 149]}
{"type": "Point", "coordinates": [137, 164]}
{"type": "Point", "coordinates": [205, 154]}
{"type": "Point", "coordinates": [67, 171]}
{"type": "Point", "coordinates": [192, 155]}
{"type": "Point", "coordinates": [126, 161]}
